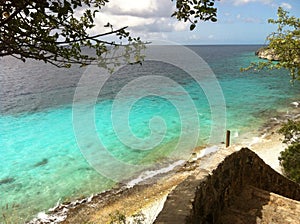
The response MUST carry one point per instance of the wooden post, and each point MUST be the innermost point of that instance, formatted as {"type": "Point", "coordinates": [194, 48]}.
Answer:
{"type": "Point", "coordinates": [227, 138]}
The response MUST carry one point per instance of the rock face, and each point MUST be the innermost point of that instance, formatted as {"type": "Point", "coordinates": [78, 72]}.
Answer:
{"type": "Point", "coordinates": [267, 53]}
{"type": "Point", "coordinates": [241, 189]}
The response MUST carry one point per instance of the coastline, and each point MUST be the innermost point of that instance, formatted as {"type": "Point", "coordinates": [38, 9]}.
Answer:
{"type": "Point", "coordinates": [64, 176]}
{"type": "Point", "coordinates": [144, 198]}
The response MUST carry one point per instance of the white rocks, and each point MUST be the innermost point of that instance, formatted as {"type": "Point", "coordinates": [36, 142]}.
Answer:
{"type": "Point", "coordinates": [43, 218]}
{"type": "Point", "coordinates": [266, 53]}
{"type": "Point", "coordinates": [296, 104]}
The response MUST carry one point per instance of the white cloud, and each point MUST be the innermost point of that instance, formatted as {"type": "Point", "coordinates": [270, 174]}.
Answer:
{"type": "Point", "coordinates": [180, 26]}
{"type": "Point", "coordinates": [243, 2]}
{"type": "Point", "coordinates": [140, 16]}
{"type": "Point", "coordinates": [252, 20]}
{"type": "Point", "coordinates": [138, 8]}
{"type": "Point", "coordinates": [286, 6]}
{"type": "Point", "coordinates": [211, 36]}
{"type": "Point", "coordinates": [193, 37]}
{"type": "Point", "coordinates": [248, 19]}
{"type": "Point", "coordinates": [119, 21]}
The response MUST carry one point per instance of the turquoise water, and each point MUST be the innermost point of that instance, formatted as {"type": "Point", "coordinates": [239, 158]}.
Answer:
{"type": "Point", "coordinates": [39, 152]}
{"type": "Point", "coordinates": [41, 162]}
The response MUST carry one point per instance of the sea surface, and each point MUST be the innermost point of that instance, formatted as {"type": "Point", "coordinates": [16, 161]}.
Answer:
{"type": "Point", "coordinates": [70, 133]}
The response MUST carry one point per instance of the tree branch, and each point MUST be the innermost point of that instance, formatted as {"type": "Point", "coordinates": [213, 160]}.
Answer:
{"type": "Point", "coordinates": [12, 15]}
{"type": "Point", "coordinates": [92, 37]}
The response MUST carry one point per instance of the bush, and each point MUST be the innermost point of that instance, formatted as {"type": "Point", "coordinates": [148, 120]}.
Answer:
{"type": "Point", "coordinates": [120, 218]}
{"type": "Point", "coordinates": [117, 218]}
{"type": "Point", "coordinates": [290, 161]}
{"type": "Point", "coordinates": [291, 132]}
{"type": "Point", "coordinates": [290, 157]}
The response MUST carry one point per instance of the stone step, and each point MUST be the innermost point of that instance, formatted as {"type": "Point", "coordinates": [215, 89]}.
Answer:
{"type": "Point", "coordinates": [254, 205]}
{"type": "Point", "coordinates": [225, 193]}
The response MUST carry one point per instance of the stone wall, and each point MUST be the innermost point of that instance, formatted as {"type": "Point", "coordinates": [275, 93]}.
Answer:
{"type": "Point", "coordinates": [201, 198]}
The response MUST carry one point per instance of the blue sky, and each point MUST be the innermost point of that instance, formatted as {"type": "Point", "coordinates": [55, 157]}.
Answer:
{"type": "Point", "coordinates": [239, 21]}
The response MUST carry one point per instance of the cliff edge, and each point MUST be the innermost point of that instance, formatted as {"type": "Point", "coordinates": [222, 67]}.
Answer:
{"type": "Point", "coordinates": [267, 53]}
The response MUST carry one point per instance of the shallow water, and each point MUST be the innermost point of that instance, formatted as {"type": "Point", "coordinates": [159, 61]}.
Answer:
{"type": "Point", "coordinates": [43, 159]}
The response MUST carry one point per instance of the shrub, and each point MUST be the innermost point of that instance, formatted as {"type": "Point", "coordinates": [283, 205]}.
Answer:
{"type": "Point", "coordinates": [290, 157]}
{"type": "Point", "coordinates": [291, 132]}
{"type": "Point", "coordinates": [117, 218]}
{"type": "Point", "coordinates": [290, 161]}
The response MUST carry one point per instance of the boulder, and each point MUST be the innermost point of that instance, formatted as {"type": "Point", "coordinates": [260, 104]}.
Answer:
{"type": "Point", "coordinates": [267, 53]}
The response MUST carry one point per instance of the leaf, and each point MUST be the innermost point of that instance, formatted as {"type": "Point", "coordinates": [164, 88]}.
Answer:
{"type": "Point", "coordinates": [26, 11]}
{"type": "Point", "coordinates": [192, 26]}
{"type": "Point", "coordinates": [214, 19]}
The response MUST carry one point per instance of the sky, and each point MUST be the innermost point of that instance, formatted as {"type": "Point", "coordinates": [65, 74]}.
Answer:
{"type": "Point", "coordinates": [239, 21]}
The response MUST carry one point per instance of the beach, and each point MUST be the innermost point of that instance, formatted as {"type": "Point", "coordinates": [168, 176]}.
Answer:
{"type": "Point", "coordinates": [145, 199]}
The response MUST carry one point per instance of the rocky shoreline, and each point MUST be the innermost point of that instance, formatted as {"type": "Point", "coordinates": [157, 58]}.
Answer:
{"type": "Point", "coordinates": [123, 199]}
{"type": "Point", "coordinates": [146, 198]}
{"type": "Point", "coordinates": [267, 53]}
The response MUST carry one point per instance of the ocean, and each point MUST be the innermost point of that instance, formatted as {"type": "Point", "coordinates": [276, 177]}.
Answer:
{"type": "Point", "coordinates": [70, 133]}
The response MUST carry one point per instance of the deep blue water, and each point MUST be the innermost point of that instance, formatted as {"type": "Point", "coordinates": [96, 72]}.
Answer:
{"type": "Point", "coordinates": [52, 144]}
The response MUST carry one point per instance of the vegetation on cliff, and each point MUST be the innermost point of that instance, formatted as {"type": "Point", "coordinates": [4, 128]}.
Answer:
{"type": "Point", "coordinates": [283, 46]}
{"type": "Point", "coordinates": [290, 157]}
{"type": "Point", "coordinates": [267, 53]}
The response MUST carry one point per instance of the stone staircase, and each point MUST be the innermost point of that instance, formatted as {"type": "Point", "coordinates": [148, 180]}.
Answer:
{"type": "Point", "coordinates": [254, 205]}
{"type": "Point", "coordinates": [238, 188]}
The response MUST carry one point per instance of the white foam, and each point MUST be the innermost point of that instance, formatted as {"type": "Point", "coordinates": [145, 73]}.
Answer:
{"type": "Point", "coordinates": [236, 134]}
{"type": "Point", "coordinates": [296, 104]}
{"type": "Point", "coordinates": [151, 173]}
{"type": "Point", "coordinates": [207, 151]}
{"type": "Point", "coordinates": [42, 217]}
{"type": "Point", "coordinates": [256, 140]}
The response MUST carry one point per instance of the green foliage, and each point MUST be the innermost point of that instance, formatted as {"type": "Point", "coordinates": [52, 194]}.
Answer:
{"type": "Point", "coordinates": [138, 218]}
{"type": "Point", "coordinates": [285, 44]}
{"type": "Point", "coordinates": [290, 161]}
{"type": "Point", "coordinates": [57, 31]}
{"type": "Point", "coordinates": [290, 157]}
{"type": "Point", "coordinates": [291, 132]}
{"type": "Point", "coordinates": [51, 31]}
{"type": "Point", "coordinates": [117, 218]}
{"type": "Point", "coordinates": [120, 218]}
{"type": "Point", "coordinates": [195, 10]}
